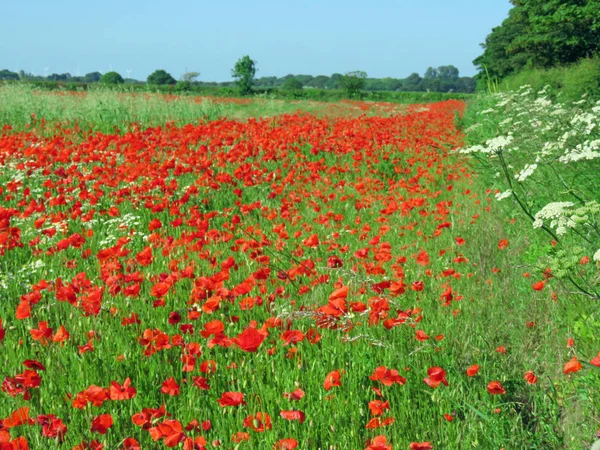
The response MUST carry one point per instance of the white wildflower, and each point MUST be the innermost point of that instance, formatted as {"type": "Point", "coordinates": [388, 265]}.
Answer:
{"type": "Point", "coordinates": [526, 172]}
{"type": "Point", "coordinates": [503, 195]}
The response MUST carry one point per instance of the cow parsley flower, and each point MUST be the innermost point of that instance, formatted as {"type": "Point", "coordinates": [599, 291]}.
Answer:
{"type": "Point", "coordinates": [526, 172]}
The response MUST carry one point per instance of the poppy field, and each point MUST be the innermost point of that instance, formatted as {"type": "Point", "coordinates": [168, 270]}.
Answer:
{"type": "Point", "coordinates": [296, 281]}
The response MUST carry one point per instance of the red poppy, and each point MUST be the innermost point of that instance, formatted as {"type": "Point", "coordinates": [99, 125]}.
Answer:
{"type": "Point", "coordinates": [436, 375]}
{"type": "Point", "coordinates": [572, 366]}
{"type": "Point", "coordinates": [530, 377]}
{"type": "Point", "coordinates": [421, 446]}
{"type": "Point", "coordinates": [285, 444]}
{"type": "Point", "coordinates": [250, 339]}
{"type": "Point", "coordinates": [102, 423]}
{"type": "Point", "coordinates": [495, 388]}
{"type": "Point", "coordinates": [259, 422]}
{"type": "Point", "coordinates": [472, 370]}
{"type": "Point", "coordinates": [332, 380]}
{"type": "Point", "coordinates": [231, 399]}
{"type": "Point", "coordinates": [170, 387]}
{"type": "Point", "coordinates": [293, 415]}
{"type": "Point", "coordinates": [378, 443]}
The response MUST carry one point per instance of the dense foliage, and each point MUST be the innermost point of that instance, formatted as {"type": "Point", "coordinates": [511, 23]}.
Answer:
{"type": "Point", "coordinates": [542, 34]}
{"type": "Point", "coordinates": [244, 72]}
{"type": "Point", "coordinates": [111, 78]}
{"type": "Point", "coordinates": [160, 77]}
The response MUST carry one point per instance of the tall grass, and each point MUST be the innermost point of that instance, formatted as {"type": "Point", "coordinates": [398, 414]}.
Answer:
{"type": "Point", "coordinates": [570, 82]}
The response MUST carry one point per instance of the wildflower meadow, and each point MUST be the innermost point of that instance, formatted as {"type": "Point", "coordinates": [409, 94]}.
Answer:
{"type": "Point", "coordinates": [179, 274]}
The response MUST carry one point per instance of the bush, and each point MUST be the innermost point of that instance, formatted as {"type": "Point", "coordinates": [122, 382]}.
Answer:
{"type": "Point", "coordinates": [112, 78]}
{"type": "Point", "coordinates": [571, 82]}
{"type": "Point", "coordinates": [161, 78]}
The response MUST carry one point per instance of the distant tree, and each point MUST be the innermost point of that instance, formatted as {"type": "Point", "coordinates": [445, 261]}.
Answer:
{"type": "Point", "coordinates": [8, 75]}
{"type": "Point", "coordinates": [448, 73]}
{"type": "Point", "coordinates": [190, 76]}
{"type": "Point", "coordinates": [335, 81]}
{"type": "Point", "coordinates": [160, 78]}
{"type": "Point", "coordinates": [292, 84]}
{"type": "Point", "coordinates": [353, 82]}
{"type": "Point", "coordinates": [413, 83]}
{"type": "Point", "coordinates": [111, 78]}
{"type": "Point", "coordinates": [319, 82]}
{"type": "Point", "coordinates": [431, 73]}
{"type": "Point", "coordinates": [304, 79]}
{"type": "Point", "coordinates": [92, 77]}
{"type": "Point", "coordinates": [244, 72]}
{"type": "Point", "coordinates": [541, 34]}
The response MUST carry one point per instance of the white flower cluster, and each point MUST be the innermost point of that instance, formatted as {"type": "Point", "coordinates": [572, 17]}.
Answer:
{"type": "Point", "coordinates": [503, 195]}
{"type": "Point", "coordinates": [557, 213]}
{"type": "Point", "coordinates": [586, 151]}
{"type": "Point", "coordinates": [526, 172]}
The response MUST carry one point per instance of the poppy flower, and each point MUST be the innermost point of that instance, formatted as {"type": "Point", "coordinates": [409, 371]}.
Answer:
{"type": "Point", "coordinates": [436, 375]}
{"type": "Point", "coordinates": [378, 408]}
{"type": "Point", "coordinates": [387, 377]}
{"type": "Point", "coordinates": [231, 399]}
{"type": "Point", "coordinates": [539, 285]}
{"type": "Point", "coordinates": [596, 361]}
{"type": "Point", "coordinates": [295, 395]}
{"type": "Point", "coordinates": [285, 444]}
{"type": "Point", "coordinates": [421, 446]}
{"type": "Point", "coordinates": [293, 415]}
{"type": "Point", "coordinates": [572, 366]}
{"type": "Point", "coordinates": [102, 423]}
{"type": "Point", "coordinates": [249, 340]}
{"type": "Point", "coordinates": [170, 387]}
{"type": "Point", "coordinates": [378, 443]}
{"type": "Point", "coordinates": [122, 392]}
{"type": "Point", "coordinates": [530, 377]}
{"type": "Point", "coordinates": [259, 422]}
{"type": "Point", "coordinates": [130, 444]}
{"type": "Point", "coordinates": [495, 388]}
{"type": "Point", "coordinates": [332, 380]}
{"type": "Point", "coordinates": [472, 370]}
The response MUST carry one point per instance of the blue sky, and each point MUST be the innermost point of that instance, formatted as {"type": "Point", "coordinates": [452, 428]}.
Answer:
{"type": "Point", "coordinates": [384, 38]}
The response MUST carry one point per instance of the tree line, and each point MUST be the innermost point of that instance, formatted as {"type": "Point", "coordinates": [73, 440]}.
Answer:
{"type": "Point", "coordinates": [440, 79]}
{"type": "Point", "coordinates": [541, 34]}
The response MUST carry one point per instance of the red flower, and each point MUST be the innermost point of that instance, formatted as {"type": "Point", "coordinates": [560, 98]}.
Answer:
{"type": "Point", "coordinates": [387, 377]}
{"type": "Point", "coordinates": [170, 387]}
{"type": "Point", "coordinates": [249, 340]}
{"type": "Point", "coordinates": [378, 443]}
{"type": "Point", "coordinates": [472, 370]}
{"type": "Point", "coordinates": [332, 380]}
{"type": "Point", "coordinates": [293, 415]}
{"type": "Point", "coordinates": [130, 444]}
{"type": "Point", "coordinates": [539, 285]}
{"type": "Point", "coordinates": [495, 388]}
{"type": "Point", "coordinates": [377, 407]}
{"type": "Point", "coordinates": [124, 392]}
{"type": "Point", "coordinates": [596, 361]}
{"type": "Point", "coordinates": [572, 366]}
{"type": "Point", "coordinates": [530, 377]}
{"type": "Point", "coordinates": [436, 376]}
{"type": "Point", "coordinates": [259, 422]}
{"type": "Point", "coordinates": [421, 446]}
{"type": "Point", "coordinates": [102, 423]}
{"type": "Point", "coordinates": [295, 395]}
{"type": "Point", "coordinates": [285, 444]}
{"type": "Point", "coordinates": [232, 399]}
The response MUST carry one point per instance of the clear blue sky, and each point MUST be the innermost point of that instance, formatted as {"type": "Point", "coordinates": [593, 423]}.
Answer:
{"type": "Point", "coordinates": [317, 37]}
